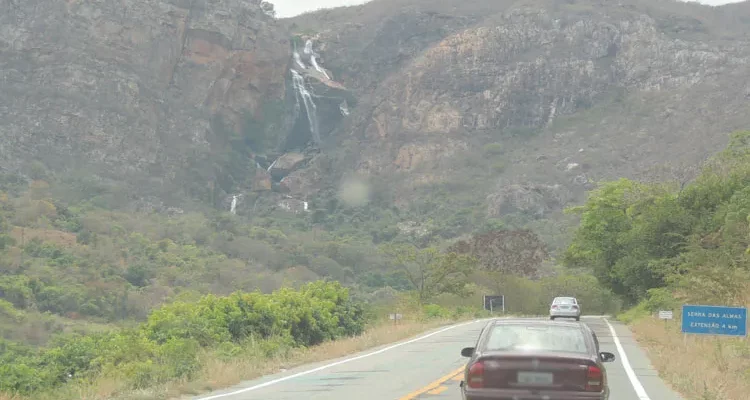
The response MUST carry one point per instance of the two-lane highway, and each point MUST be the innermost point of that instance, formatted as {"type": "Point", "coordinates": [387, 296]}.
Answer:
{"type": "Point", "coordinates": [429, 368]}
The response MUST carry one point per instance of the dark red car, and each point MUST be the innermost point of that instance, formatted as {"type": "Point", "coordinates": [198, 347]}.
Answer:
{"type": "Point", "coordinates": [528, 359]}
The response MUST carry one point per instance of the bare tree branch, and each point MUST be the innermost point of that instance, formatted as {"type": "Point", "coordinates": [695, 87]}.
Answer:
{"type": "Point", "coordinates": [518, 252]}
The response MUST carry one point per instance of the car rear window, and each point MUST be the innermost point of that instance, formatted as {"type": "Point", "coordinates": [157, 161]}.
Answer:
{"type": "Point", "coordinates": [514, 337]}
{"type": "Point", "coordinates": [564, 300]}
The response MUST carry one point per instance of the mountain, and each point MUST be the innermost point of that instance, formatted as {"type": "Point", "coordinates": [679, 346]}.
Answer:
{"type": "Point", "coordinates": [160, 152]}
{"type": "Point", "coordinates": [450, 116]}
{"type": "Point", "coordinates": [545, 97]}
{"type": "Point", "coordinates": [144, 93]}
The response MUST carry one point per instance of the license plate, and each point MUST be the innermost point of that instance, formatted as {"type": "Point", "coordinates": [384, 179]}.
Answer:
{"type": "Point", "coordinates": [535, 378]}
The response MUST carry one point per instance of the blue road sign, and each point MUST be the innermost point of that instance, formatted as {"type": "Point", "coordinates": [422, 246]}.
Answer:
{"type": "Point", "coordinates": [714, 320]}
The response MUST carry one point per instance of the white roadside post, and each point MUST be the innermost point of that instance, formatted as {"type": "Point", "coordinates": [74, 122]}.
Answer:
{"type": "Point", "coordinates": [666, 315]}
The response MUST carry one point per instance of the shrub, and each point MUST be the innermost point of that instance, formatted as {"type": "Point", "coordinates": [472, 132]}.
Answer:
{"type": "Point", "coordinates": [436, 311]}
{"type": "Point", "coordinates": [167, 345]}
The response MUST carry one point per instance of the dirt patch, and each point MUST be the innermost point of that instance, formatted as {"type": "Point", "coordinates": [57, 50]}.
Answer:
{"type": "Point", "coordinates": [23, 235]}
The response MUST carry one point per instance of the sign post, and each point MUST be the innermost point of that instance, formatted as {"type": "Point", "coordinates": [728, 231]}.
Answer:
{"type": "Point", "coordinates": [395, 318]}
{"type": "Point", "coordinates": [666, 315]}
{"type": "Point", "coordinates": [714, 320]}
{"type": "Point", "coordinates": [493, 302]}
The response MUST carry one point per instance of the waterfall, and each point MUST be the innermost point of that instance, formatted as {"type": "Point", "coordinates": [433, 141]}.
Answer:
{"type": "Point", "coordinates": [298, 83]}
{"type": "Point", "coordinates": [313, 58]}
{"type": "Point", "coordinates": [272, 164]}
{"type": "Point", "coordinates": [317, 67]}
{"type": "Point", "coordinates": [233, 206]}
{"type": "Point", "coordinates": [298, 60]}
{"type": "Point", "coordinates": [344, 108]}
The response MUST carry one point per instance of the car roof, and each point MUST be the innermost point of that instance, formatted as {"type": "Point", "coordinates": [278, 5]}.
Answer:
{"type": "Point", "coordinates": [565, 297]}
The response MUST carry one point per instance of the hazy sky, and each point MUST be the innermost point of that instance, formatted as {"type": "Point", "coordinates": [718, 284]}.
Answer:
{"type": "Point", "coordinates": [289, 8]}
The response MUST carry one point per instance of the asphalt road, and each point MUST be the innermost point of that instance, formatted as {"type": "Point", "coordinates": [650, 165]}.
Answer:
{"type": "Point", "coordinates": [429, 367]}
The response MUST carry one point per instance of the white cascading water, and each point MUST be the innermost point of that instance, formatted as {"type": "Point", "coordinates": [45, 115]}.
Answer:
{"type": "Point", "coordinates": [233, 206]}
{"type": "Point", "coordinates": [317, 67]}
{"type": "Point", "coordinates": [344, 108]}
{"type": "Point", "coordinates": [298, 60]}
{"type": "Point", "coordinates": [272, 164]}
{"type": "Point", "coordinates": [313, 58]}
{"type": "Point", "coordinates": [298, 83]}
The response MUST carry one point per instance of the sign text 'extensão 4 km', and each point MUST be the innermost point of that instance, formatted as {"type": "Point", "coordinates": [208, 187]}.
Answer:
{"type": "Point", "coordinates": [714, 320]}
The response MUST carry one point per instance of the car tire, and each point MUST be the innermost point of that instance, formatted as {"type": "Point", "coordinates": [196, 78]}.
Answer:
{"type": "Point", "coordinates": [552, 318]}
{"type": "Point", "coordinates": [578, 318]}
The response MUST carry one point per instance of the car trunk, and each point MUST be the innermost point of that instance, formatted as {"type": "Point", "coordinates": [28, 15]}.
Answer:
{"type": "Point", "coordinates": [565, 307]}
{"type": "Point", "coordinates": [548, 371]}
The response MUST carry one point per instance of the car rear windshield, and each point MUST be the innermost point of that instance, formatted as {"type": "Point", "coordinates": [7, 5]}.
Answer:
{"type": "Point", "coordinates": [564, 300]}
{"type": "Point", "coordinates": [514, 337]}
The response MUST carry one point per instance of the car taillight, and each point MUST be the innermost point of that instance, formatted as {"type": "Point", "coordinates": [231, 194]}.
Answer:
{"type": "Point", "coordinates": [475, 380]}
{"type": "Point", "coordinates": [554, 307]}
{"type": "Point", "coordinates": [575, 307]}
{"type": "Point", "coordinates": [594, 379]}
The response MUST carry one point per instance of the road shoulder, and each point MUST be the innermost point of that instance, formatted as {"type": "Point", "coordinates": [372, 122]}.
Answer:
{"type": "Point", "coordinates": [647, 376]}
{"type": "Point", "coordinates": [299, 373]}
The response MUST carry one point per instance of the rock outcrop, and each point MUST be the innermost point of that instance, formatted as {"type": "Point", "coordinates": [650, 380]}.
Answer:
{"type": "Point", "coordinates": [129, 90]}
{"type": "Point", "coordinates": [183, 98]}
{"type": "Point", "coordinates": [535, 200]}
{"type": "Point", "coordinates": [634, 83]}
{"type": "Point", "coordinates": [286, 164]}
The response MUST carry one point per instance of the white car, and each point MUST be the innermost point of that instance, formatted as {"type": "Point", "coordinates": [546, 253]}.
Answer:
{"type": "Point", "coordinates": [565, 307]}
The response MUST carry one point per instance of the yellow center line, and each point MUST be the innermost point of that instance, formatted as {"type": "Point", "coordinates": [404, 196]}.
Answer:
{"type": "Point", "coordinates": [438, 390]}
{"type": "Point", "coordinates": [433, 385]}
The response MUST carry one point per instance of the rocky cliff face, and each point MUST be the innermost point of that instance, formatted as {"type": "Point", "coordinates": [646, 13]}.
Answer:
{"type": "Point", "coordinates": [130, 89]}
{"type": "Point", "coordinates": [574, 91]}
{"type": "Point", "coordinates": [521, 103]}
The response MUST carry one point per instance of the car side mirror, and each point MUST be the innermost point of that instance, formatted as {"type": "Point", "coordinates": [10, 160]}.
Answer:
{"type": "Point", "coordinates": [467, 351]}
{"type": "Point", "coordinates": [607, 356]}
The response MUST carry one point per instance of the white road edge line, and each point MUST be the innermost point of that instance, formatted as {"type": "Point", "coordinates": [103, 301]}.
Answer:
{"type": "Point", "coordinates": [637, 386]}
{"type": "Point", "coordinates": [383, 350]}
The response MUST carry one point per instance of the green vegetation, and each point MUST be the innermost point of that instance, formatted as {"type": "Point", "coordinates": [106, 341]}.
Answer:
{"type": "Point", "coordinates": [667, 243]}
{"type": "Point", "coordinates": [493, 149]}
{"type": "Point", "coordinates": [92, 294]}
{"type": "Point", "coordinates": [533, 297]}
{"type": "Point", "coordinates": [431, 272]}
{"type": "Point", "coordinates": [91, 290]}
{"type": "Point", "coordinates": [168, 344]}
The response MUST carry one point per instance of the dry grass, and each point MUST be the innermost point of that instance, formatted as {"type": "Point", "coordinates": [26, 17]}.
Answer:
{"type": "Point", "coordinates": [700, 368]}
{"type": "Point", "coordinates": [61, 238]}
{"type": "Point", "coordinates": [218, 373]}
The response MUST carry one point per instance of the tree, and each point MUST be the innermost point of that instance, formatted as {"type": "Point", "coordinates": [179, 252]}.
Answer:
{"type": "Point", "coordinates": [431, 272]}
{"type": "Point", "coordinates": [678, 173]}
{"type": "Point", "coordinates": [5, 227]}
{"type": "Point", "coordinates": [268, 9]}
{"type": "Point", "coordinates": [627, 231]}
{"type": "Point", "coordinates": [516, 252]}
